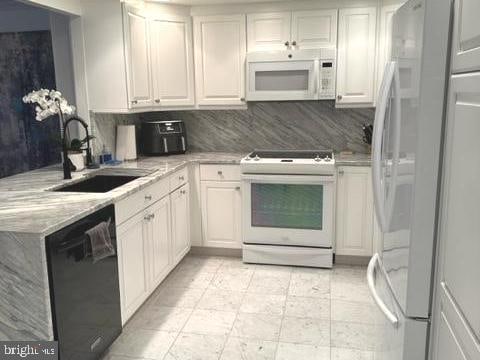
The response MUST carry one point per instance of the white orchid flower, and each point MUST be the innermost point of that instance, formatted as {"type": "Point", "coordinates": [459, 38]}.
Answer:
{"type": "Point", "coordinates": [49, 102]}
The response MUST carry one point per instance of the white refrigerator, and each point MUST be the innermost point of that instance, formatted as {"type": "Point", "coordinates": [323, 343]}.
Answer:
{"type": "Point", "coordinates": [406, 161]}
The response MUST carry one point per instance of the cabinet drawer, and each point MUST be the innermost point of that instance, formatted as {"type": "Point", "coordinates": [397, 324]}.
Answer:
{"type": "Point", "coordinates": [138, 201]}
{"type": "Point", "coordinates": [179, 178]}
{"type": "Point", "coordinates": [220, 172]}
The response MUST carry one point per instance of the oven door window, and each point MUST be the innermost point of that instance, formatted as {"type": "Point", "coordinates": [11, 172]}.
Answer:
{"type": "Point", "coordinates": [287, 206]}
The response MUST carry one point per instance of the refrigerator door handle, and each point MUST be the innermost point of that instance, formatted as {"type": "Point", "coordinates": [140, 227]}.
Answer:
{"type": "Point", "coordinates": [371, 284]}
{"type": "Point", "coordinates": [377, 143]}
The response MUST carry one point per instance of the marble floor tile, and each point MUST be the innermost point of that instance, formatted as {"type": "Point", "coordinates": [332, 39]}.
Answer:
{"type": "Point", "coordinates": [288, 351]}
{"type": "Point", "coordinates": [141, 343]}
{"type": "Point", "coordinates": [353, 336]}
{"type": "Point", "coordinates": [344, 273]}
{"type": "Point", "coordinates": [210, 322]}
{"type": "Point", "coordinates": [257, 326]}
{"type": "Point", "coordinates": [274, 270]}
{"type": "Point", "coordinates": [233, 264]}
{"type": "Point", "coordinates": [351, 291]}
{"type": "Point", "coordinates": [196, 347]}
{"type": "Point", "coordinates": [189, 279]}
{"type": "Point", "coordinates": [232, 280]}
{"type": "Point", "coordinates": [269, 283]}
{"type": "Point", "coordinates": [222, 300]}
{"type": "Point", "coordinates": [350, 354]}
{"type": "Point", "coordinates": [350, 311]}
{"type": "Point", "coordinates": [305, 331]}
{"type": "Point", "coordinates": [308, 307]}
{"type": "Point", "coordinates": [263, 304]}
{"type": "Point", "coordinates": [176, 297]}
{"type": "Point", "coordinates": [120, 357]}
{"type": "Point", "coordinates": [307, 282]}
{"type": "Point", "coordinates": [248, 349]}
{"type": "Point", "coordinates": [201, 263]}
{"type": "Point", "coordinates": [160, 318]}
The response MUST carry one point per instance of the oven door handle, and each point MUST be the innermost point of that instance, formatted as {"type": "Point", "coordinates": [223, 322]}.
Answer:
{"type": "Point", "coordinates": [288, 179]}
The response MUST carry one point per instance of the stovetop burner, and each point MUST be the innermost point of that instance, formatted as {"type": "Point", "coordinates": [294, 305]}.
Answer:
{"type": "Point", "coordinates": [291, 154]}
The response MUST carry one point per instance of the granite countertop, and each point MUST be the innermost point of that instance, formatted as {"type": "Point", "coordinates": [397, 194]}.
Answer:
{"type": "Point", "coordinates": [27, 203]}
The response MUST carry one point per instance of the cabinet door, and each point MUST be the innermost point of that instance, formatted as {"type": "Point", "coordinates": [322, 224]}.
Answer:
{"type": "Point", "coordinates": [140, 92]}
{"type": "Point", "coordinates": [180, 223]}
{"type": "Point", "coordinates": [466, 36]}
{"type": "Point", "coordinates": [460, 226]}
{"type": "Point", "coordinates": [314, 29]}
{"type": "Point", "coordinates": [172, 60]}
{"type": "Point", "coordinates": [159, 241]}
{"type": "Point", "coordinates": [133, 270]}
{"type": "Point", "coordinates": [268, 31]}
{"type": "Point", "coordinates": [354, 220]}
{"type": "Point", "coordinates": [356, 55]}
{"type": "Point", "coordinates": [220, 50]}
{"type": "Point", "coordinates": [221, 214]}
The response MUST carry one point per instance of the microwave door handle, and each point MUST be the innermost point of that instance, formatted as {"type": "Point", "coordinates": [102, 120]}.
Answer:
{"type": "Point", "coordinates": [316, 74]}
{"type": "Point", "coordinates": [377, 143]}
{"type": "Point", "coordinates": [183, 143]}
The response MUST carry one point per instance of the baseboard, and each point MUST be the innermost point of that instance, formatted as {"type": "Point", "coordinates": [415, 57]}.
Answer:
{"type": "Point", "coordinates": [351, 260]}
{"type": "Point", "coordinates": [214, 251]}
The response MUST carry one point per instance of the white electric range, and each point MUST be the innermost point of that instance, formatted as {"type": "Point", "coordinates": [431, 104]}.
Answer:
{"type": "Point", "coordinates": [288, 207]}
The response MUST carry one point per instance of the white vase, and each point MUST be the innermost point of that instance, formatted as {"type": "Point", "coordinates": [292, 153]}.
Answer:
{"type": "Point", "coordinates": [77, 160]}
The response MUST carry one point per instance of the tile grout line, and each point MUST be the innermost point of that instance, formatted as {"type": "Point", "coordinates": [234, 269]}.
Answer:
{"type": "Point", "coordinates": [284, 313]}
{"type": "Point", "coordinates": [237, 312]}
{"type": "Point", "coordinates": [189, 316]}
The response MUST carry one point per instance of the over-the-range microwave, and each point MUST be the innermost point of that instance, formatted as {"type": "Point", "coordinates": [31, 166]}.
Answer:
{"type": "Point", "coordinates": [291, 75]}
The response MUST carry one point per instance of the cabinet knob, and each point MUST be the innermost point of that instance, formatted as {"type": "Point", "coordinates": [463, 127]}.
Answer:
{"type": "Point", "coordinates": [237, 188]}
{"type": "Point", "coordinates": [290, 56]}
{"type": "Point", "coordinates": [341, 172]}
{"type": "Point", "coordinates": [183, 192]}
{"type": "Point", "coordinates": [181, 178]}
{"type": "Point", "coordinates": [152, 216]}
{"type": "Point", "coordinates": [157, 101]}
{"type": "Point", "coordinates": [242, 99]}
{"type": "Point", "coordinates": [148, 197]}
{"type": "Point", "coordinates": [287, 43]}
{"type": "Point", "coordinates": [294, 43]}
{"type": "Point", "coordinates": [339, 97]}
{"type": "Point", "coordinates": [220, 172]}
{"type": "Point", "coordinates": [146, 217]}
{"type": "Point", "coordinates": [134, 102]}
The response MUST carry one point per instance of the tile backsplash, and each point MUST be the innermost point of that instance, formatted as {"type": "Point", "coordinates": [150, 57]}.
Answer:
{"type": "Point", "coordinates": [264, 125]}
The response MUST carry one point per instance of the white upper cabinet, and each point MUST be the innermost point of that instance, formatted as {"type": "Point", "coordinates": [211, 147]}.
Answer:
{"type": "Point", "coordinates": [356, 56]}
{"type": "Point", "coordinates": [172, 60]}
{"type": "Point", "coordinates": [466, 36]}
{"type": "Point", "coordinates": [268, 31]}
{"type": "Point", "coordinates": [139, 87]}
{"type": "Point", "coordinates": [220, 51]}
{"type": "Point", "coordinates": [314, 29]}
{"type": "Point", "coordinates": [292, 30]}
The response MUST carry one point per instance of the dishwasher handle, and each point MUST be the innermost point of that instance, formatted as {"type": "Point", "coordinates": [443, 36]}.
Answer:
{"type": "Point", "coordinates": [373, 291]}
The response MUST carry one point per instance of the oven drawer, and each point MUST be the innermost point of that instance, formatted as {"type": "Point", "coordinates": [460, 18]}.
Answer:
{"type": "Point", "coordinates": [220, 172]}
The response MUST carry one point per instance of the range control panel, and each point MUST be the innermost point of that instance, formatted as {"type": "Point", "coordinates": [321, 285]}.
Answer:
{"type": "Point", "coordinates": [327, 79]}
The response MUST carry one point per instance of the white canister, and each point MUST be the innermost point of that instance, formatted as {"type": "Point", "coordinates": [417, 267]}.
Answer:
{"type": "Point", "coordinates": [126, 143]}
{"type": "Point", "coordinates": [78, 160]}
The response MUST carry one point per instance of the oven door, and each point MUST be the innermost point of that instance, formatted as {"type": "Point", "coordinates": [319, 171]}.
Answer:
{"type": "Point", "coordinates": [288, 210]}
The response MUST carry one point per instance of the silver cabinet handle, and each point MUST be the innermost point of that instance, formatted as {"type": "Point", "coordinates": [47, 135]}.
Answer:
{"type": "Point", "coordinates": [242, 99]}
{"type": "Point", "coordinates": [183, 192]}
{"type": "Point", "coordinates": [220, 172]}
{"type": "Point", "coordinates": [287, 43]}
{"type": "Point", "coordinates": [134, 102]}
{"type": "Point", "coordinates": [181, 178]}
{"type": "Point", "coordinates": [152, 216]}
{"type": "Point", "coordinates": [294, 43]}
{"type": "Point", "coordinates": [148, 197]}
{"type": "Point", "coordinates": [146, 217]}
{"type": "Point", "coordinates": [371, 284]}
{"type": "Point", "coordinates": [237, 188]}
{"type": "Point", "coordinates": [339, 97]}
{"type": "Point", "coordinates": [341, 172]}
{"type": "Point", "coordinates": [157, 101]}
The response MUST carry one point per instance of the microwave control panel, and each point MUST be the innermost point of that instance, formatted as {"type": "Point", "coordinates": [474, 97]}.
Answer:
{"type": "Point", "coordinates": [327, 79]}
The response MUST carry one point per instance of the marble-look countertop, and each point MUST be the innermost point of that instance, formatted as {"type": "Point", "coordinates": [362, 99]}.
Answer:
{"type": "Point", "coordinates": [27, 204]}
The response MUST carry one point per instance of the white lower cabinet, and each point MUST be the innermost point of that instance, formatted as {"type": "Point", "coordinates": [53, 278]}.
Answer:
{"type": "Point", "coordinates": [354, 214]}
{"type": "Point", "coordinates": [132, 264]}
{"type": "Point", "coordinates": [180, 223]}
{"type": "Point", "coordinates": [159, 242]}
{"type": "Point", "coordinates": [221, 214]}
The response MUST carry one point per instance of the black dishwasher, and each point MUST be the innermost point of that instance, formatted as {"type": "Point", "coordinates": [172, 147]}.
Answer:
{"type": "Point", "coordinates": [84, 294]}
